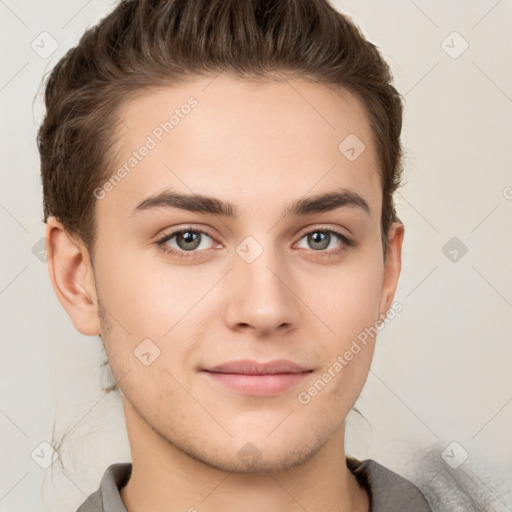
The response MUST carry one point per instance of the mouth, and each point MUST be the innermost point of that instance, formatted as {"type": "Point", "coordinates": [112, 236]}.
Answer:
{"type": "Point", "coordinates": [258, 379]}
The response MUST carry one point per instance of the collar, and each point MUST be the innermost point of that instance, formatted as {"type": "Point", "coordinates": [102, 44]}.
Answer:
{"type": "Point", "coordinates": [387, 490]}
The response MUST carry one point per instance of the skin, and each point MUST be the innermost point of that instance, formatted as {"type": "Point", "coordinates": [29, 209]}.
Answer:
{"type": "Point", "coordinates": [261, 146]}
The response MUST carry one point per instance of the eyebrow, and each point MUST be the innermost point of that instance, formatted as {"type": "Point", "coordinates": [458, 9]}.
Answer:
{"type": "Point", "coordinates": [204, 204]}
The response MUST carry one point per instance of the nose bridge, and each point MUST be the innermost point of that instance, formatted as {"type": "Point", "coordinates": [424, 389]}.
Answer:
{"type": "Point", "coordinates": [260, 294]}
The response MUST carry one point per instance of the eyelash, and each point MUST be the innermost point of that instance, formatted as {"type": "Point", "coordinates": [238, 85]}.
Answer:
{"type": "Point", "coordinates": [346, 242]}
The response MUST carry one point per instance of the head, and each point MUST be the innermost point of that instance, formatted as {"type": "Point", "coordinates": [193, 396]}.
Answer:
{"type": "Point", "coordinates": [273, 129]}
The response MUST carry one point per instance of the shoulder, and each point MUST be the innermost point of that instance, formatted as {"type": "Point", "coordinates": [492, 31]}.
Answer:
{"type": "Point", "coordinates": [107, 498]}
{"type": "Point", "coordinates": [387, 490]}
{"type": "Point", "coordinates": [453, 479]}
{"type": "Point", "coordinates": [426, 483]}
{"type": "Point", "coordinates": [447, 478]}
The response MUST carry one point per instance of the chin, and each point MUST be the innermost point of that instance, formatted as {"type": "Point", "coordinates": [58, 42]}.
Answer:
{"type": "Point", "coordinates": [257, 456]}
{"type": "Point", "coordinates": [272, 463]}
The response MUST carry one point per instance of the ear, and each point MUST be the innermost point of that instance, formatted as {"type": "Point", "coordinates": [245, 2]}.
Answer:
{"type": "Point", "coordinates": [392, 266]}
{"type": "Point", "coordinates": [72, 277]}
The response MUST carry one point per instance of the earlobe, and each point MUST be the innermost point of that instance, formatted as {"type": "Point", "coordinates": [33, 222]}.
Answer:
{"type": "Point", "coordinates": [392, 266]}
{"type": "Point", "coordinates": [72, 277]}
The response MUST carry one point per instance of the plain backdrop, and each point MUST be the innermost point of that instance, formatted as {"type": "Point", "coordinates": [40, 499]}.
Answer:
{"type": "Point", "coordinates": [442, 368]}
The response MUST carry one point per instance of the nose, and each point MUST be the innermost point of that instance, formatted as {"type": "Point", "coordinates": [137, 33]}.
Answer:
{"type": "Point", "coordinates": [261, 295]}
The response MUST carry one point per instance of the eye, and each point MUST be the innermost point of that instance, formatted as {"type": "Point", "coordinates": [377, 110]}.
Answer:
{"type": "Point", "coordinates": [320, 239]}
{"type": "Point", "coordinates": [184, 241]}
{"type": "Point", "coordinates": [189, 242]}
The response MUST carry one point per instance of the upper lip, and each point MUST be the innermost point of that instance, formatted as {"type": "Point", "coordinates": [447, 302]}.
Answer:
{"type": "Point", "coordinates": [250, 367]}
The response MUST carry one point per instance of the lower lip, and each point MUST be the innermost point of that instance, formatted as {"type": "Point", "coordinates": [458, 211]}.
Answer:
{"type": "Point", "coordinates": [261, 385]}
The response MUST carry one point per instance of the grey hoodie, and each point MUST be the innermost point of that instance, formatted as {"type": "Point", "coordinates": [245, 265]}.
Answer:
{"type": "Point", "coordinates": [389, 492]}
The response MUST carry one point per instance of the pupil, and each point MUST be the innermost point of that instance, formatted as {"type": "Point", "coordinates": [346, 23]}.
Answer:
{"type": "Point", "coordinates": [319, 237]}
{"type": "Point", "coordinates": [189, 239]}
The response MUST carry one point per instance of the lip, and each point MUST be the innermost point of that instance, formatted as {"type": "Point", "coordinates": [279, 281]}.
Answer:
{"type": "Point", "coordinates": [251, 367]}
{"type": "Point", "coordinates": [251, 377]}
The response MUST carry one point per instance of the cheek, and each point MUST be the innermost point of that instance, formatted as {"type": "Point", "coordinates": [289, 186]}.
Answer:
{"type": "Point", "coordinates": [347, 298]}
{"type": "Point", "coordinates": [149, 297]}
{"type": "Point", "coordinates": [152, 299]}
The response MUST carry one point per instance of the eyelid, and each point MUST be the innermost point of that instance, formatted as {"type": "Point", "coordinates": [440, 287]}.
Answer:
{"type": "Point", "coordinates": [324, 227]}
{"type": "Point", "coordinates": [345, 239]}
{"type": "Point", "coordinates": [177, 230]}
{"type": "Point", "coordinates": [161, 241]}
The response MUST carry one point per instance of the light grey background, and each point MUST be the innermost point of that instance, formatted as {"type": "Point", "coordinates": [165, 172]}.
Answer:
{"type": "Point", "coordinates": [442, 368]}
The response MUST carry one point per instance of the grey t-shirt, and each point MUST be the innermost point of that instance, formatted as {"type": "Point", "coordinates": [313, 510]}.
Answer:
{"type": "Point", "coordinates": [388, 491]}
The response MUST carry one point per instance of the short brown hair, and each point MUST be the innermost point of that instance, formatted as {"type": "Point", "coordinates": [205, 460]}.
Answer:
{"type": "Point", "coordinates": [147, 43]}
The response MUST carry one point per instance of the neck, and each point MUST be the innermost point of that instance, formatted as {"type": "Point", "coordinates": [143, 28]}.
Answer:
{"type": "Point", "coordinates": [165, 478]}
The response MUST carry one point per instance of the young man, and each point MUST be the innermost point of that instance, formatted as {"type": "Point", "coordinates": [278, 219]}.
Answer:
{"type": "Point", "coordinates": [238, 241]}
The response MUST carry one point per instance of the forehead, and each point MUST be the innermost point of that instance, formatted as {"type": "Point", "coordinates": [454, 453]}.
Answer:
{"type": "Point", "coordinates": [230, 138]}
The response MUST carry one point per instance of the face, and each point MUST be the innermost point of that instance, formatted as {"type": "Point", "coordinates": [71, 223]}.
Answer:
{"type": "Point", "coordinates": [264, 270]}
